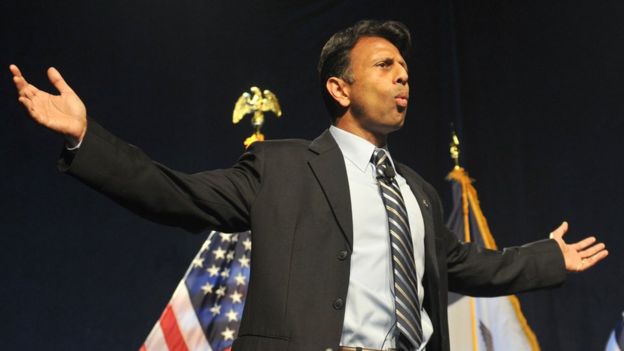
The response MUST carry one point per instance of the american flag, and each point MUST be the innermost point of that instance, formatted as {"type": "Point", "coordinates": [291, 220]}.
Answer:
{"type": "Point", "coordinates": [205, 310]}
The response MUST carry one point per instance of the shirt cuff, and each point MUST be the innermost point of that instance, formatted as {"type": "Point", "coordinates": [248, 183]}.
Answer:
{"type": "Point", "coordinates": [74, 147]}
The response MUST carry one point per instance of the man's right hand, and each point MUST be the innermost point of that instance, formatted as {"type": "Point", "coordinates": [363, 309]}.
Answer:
{"type": "Point", "coordinates": [64, 113]}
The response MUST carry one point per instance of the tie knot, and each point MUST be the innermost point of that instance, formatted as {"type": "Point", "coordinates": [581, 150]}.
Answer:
{"type": "Point", "coordinates": [382, 164]}
{"type": "Point", "coordinates": [379, 157]}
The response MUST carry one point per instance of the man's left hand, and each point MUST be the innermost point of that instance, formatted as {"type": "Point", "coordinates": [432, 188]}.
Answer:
{"type": "Point", "coordinates": [579, 256]}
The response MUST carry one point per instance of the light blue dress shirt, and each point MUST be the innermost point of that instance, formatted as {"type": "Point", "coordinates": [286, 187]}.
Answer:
{"type": "Point", "coordinates": [369, 311]}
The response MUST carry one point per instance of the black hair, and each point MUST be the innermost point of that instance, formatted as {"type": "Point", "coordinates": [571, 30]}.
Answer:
{"type": "Point", "coordinates": [335, 60]}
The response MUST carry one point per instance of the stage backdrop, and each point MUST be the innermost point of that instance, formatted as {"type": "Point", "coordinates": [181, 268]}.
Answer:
{"type": "Point", "coordinates": [534, 90]}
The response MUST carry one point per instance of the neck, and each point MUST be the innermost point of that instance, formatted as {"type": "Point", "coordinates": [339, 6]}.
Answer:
{"type": "Point", "coordinates": [351, 126]}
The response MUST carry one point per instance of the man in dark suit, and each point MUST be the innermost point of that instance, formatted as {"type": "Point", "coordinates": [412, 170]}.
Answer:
{"type": "Point", "coordinates": [322, 213]}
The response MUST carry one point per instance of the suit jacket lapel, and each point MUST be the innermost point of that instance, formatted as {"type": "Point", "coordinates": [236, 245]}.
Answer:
{"type": "Point", "coordinates": [328, 167]}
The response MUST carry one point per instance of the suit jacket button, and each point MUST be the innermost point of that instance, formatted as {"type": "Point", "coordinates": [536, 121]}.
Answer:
{"type": "Point", "coordinates": [342, 255]}
{"type": "Point", "coordinates": [339, 303]}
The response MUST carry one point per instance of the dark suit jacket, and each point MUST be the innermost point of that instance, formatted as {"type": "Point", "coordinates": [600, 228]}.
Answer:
{"type": "Point", "coordinates": [294, 196]}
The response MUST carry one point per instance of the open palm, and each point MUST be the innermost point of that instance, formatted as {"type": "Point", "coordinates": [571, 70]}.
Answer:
{"type": "Point", "coordinates": [581, 255]}
{"type": "Point", "coordinates": [64, 113]}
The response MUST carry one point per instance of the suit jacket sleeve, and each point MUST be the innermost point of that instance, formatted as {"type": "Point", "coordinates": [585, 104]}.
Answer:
{"type": "Point", "coordinates": [219, 199]}
{"type": "Point", "coordinates": [476, 271]}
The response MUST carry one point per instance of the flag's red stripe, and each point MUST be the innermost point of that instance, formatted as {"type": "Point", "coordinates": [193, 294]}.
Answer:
{"type": "Point", "coordinates": [171, 331]}
{"type": "Point", "coordinates": [143, 348]}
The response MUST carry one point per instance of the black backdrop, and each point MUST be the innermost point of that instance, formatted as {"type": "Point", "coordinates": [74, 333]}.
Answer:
{"type": "Point", "coordinates": [533, 88]}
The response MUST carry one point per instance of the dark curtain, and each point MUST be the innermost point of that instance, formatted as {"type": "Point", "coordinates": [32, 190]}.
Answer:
{"type": "Point", "coordinates": [532, 89]}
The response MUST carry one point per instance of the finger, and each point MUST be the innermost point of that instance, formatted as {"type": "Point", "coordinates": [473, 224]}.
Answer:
{"type": "Point", "coordinates": [15, 70]}
{"type": "Point", "coordinates": [581, 245]}
{"type": "Point", "coordinates": [24, 88]}
{"type": "Point", "coordinates": [20, 83]}
{"type": "Point", "coordinates": [57, 80]}
{"type": "Point", "coordinates": [29, 91]}
{"type": "Point", "coordinates": [560, 231]}
{"type": "Point", "coordinates": [30, 108]}
{"type": "Point", "coordinates": [18, 79]}
{"type": "Point", "coordinates": [592, 250]}
{"type": "Point", "coordinates": [590, 262]}
{"type": "Point", "coordinates": [27, 103]}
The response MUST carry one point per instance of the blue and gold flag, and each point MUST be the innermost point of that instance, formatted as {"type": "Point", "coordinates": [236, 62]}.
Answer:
{"type": "Point", "coordinates": [481, 324]}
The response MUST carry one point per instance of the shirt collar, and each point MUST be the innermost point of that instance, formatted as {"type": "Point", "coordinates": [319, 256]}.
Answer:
{"type": "Point", "coordinates": [358, 150]}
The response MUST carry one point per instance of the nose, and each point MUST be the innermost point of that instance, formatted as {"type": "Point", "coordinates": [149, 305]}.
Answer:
{"type": "Point", "coordinates": [401, 76]}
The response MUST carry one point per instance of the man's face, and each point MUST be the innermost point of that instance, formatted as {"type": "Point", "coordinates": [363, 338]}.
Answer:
{"type": "Point", "coordinates": [379, 92]}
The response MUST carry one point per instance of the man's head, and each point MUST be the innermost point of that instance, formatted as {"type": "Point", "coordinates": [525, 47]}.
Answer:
{"type": "Point", "coordinates": [364, 75]}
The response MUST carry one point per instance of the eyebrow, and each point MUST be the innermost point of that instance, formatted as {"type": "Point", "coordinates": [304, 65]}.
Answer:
{"type": "Point", "coordinates": [400, 62]}
{"type": "Point", "coordinates": [390, 58]}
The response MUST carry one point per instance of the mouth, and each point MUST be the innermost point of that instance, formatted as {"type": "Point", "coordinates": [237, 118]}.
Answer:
{"type": "Point", "coordinates": [401, 99]}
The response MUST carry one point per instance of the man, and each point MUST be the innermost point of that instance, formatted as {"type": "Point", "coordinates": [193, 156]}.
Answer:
{"type": "Point", "coordinates": [350, 249]}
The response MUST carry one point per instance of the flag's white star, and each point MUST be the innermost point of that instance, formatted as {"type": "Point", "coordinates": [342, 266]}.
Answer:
{"type": "Point", "coordinates": [240, 279]}
{"type": "Point", "coordinates": [244, 261]}
{"type": "Point", "coordinates": [232, 316]}
{"type": "Point", "coordinates": [225, 273]}
{"type": "Point", "coordinates": [225, 237]}
{"type": "Point", "coordinates": [230, 256]}
{"type": "Point", "coordinates": [207, 288]}
{"type": "Point", "coordinates": [234, 238]}
{"type": "Point", "coordinates": [216, 309]}
{"type": "Point", "coordinates": [247, 244]}
{"type": "Point", "coordinates": [213, 270]}
{"type": "Point", "coordinates": [198, 262]}
{"type": "Point", "coordinates": [236, 297]}
{"type": "Point", "coordinates": [228, 334]}
{"type": "Point", "coordinates": [219, 253]}
{"type": "Point", "coordinates": [205, 245]}
{"type": "Point", "coordinates": [221, 291]}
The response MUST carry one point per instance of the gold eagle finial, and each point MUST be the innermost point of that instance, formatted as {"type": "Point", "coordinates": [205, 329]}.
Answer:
{"type": "Point", "coordinates": [256, 103]}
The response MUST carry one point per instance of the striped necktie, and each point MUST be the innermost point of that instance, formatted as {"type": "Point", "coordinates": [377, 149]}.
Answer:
{"type": "Point", "coordinates": [407, 306]}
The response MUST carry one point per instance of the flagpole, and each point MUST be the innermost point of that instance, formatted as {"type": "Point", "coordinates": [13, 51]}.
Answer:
{"type": "Point", "coordinates": [459, 175]}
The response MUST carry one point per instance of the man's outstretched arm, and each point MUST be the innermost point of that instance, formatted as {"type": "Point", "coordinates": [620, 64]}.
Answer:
{"type": "Point", "coordinates": [64, 114]}
{"type": "Point", "coordinates": [481, 272]}
{"type": "Point", "coordinates": [219, 199]}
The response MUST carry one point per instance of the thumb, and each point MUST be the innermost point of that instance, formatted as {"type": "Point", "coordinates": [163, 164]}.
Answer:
{"type": "Point", "coordinates": [560, 231]}
{"type": "Point", "coordinates": [57, 80]}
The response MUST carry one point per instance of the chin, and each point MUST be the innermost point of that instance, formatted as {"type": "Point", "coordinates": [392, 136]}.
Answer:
{"type": "Point", "coordinates": [400, 121]}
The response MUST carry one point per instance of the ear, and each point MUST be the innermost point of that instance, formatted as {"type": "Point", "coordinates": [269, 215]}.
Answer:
{"type": "Point", "coordinates": [339, 90]}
